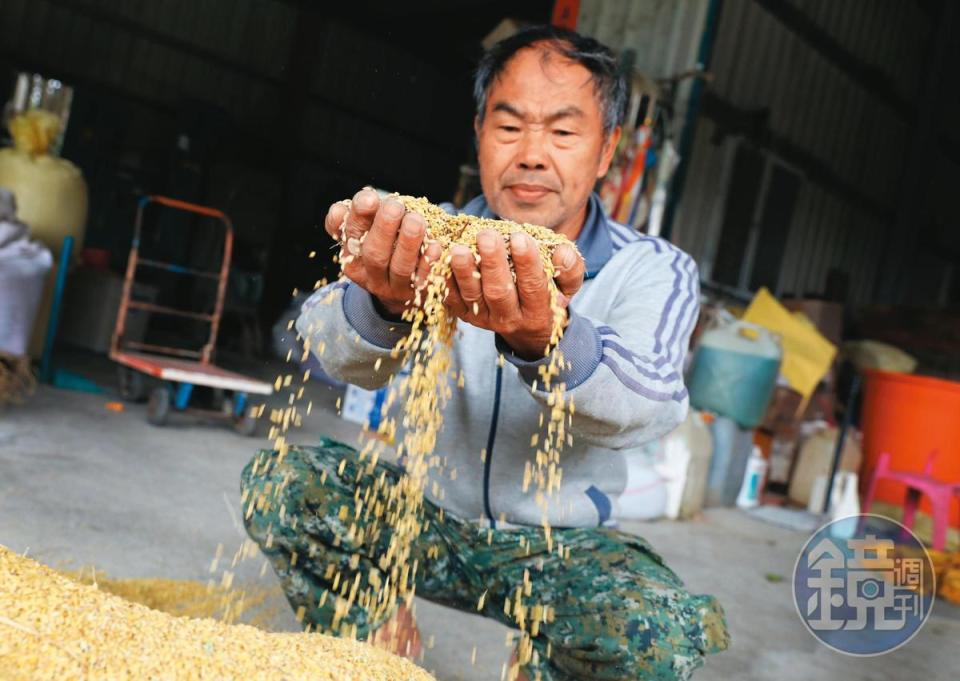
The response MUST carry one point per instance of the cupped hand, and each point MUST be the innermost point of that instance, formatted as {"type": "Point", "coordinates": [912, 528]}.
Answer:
{"type": "Point", "coordinates": [382, 247]}
{"type": "Point", "coordinates": [486, 296]}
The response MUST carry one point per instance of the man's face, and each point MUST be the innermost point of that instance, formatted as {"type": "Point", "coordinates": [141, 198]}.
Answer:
{"type": "Point", "coordinates": [541, 143]}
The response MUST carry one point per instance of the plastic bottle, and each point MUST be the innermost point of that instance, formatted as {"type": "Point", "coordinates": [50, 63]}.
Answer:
{"type": "Point", "coordinates": [749, 496]}
{"type": "Point", "coordinates": [728, 463]}
{"type": "Point", "coordinates": [847, 504]}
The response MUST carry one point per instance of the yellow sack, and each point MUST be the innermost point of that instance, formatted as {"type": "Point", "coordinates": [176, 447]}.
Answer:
{"type": "Point", "coordinates": [51, 195]}
{"type": "Point", "coordinates": [870, 354]}
{"type": "Point", "coordinates": [807, 355]}
{"type": "Point", "coordinates": [34, 131]}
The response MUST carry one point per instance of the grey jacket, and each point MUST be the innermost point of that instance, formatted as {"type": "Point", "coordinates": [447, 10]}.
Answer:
{"type": "Point", "coordinates": [625, 344]}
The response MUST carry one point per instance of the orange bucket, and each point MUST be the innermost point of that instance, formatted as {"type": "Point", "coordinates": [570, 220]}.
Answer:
{"type": "Point", "coordinates": [910, 416]}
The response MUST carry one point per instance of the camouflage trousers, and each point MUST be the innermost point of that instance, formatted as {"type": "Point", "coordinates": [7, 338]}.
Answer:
{"type": "Point", "coordinates": [618, 611]}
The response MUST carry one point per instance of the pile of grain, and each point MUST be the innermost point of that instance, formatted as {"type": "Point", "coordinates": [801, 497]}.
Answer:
{"type": "Point", "coordinates": [256, 605]}
{"type": "Point", "coordinates": [946, 566]}
{"type": "Point", "coordinates": [52, 627]}
{"type": "Point", "coordinates": [463, 229]}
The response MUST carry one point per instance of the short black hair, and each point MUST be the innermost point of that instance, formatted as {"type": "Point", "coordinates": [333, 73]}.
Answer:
{"type": "Point", "coordinates": [598, 59]}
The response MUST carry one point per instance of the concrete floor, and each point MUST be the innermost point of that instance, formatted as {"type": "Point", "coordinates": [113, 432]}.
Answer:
{"type": "Point", "coordinates": [83, 485]}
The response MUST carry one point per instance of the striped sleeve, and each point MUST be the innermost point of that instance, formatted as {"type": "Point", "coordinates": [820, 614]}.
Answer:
{"type": "Point", "coordinates": [621, 235]}
{"type": "Point", "coordinates": [341, 326]}
{"type": "Point", "coordinates": [625, 372]}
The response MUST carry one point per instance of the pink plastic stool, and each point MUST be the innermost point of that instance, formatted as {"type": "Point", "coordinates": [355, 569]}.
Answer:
{"type": "Point", "coordinates": [940, 494]}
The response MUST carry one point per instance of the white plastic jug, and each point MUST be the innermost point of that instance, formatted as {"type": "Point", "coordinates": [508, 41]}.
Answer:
{"type": "Point", "coordinates": [844, 501]}
{"type": "Point", "coordinates": [847, 507]}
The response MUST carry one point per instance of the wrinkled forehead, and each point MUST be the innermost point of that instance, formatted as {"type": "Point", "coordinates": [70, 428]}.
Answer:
{"type": "Point", "coordinates": [541, 71]}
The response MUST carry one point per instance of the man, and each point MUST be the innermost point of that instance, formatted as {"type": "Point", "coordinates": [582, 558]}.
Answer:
{"type": "Point", "coordinates": [549, 104]}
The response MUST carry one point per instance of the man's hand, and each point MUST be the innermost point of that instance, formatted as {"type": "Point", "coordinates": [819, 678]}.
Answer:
{"type": "Point", "coordinates": [381, 248]}
{"type": "Point", "coordinates": [487, 297]}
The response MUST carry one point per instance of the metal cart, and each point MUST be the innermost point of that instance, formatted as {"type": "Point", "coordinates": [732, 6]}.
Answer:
{"type": "Point", "coordinates": [182, 369]}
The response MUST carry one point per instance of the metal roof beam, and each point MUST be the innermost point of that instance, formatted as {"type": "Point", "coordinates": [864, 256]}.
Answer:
{"type": "Point", "coordinates": [138, 30]}
{"type": "Point", "coordinates": [870, 78]}
{"type": "Point", "coordinates": [752, 125]}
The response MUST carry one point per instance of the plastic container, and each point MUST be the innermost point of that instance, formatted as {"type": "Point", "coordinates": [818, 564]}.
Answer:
{"type": "Point", "coordinates": [732, 446]}
{"type": "Point", "coordinates": [815, 459]}
{"type": "Point", "coordinates": [910, 416]}
{"type": "Point", "coordinates": [644, 496]}
{"type": "Point", "coordinates": [699, 443]}
{"type": "Point", "coordinates": [841, 499]}
{"type": "Point", "coordinates": [683, 462]}
{"type": "Point", "coordinates": [844, 506]}
{"type": "Point", "coordinates": [735, 372]}
{"type": "Point", "coordinates": [752, 485]}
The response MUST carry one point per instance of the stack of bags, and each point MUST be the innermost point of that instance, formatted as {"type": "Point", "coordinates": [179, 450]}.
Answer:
{"type": "Point", "coordinates": [24, 265]}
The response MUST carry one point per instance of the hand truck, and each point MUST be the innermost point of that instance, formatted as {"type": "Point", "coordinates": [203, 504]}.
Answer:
{"type": "Point", "coordinates": [181, 369]}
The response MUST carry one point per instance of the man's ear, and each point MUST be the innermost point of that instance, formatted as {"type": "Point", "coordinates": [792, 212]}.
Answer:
{"type": "Point", "coordinates": [609, 147]}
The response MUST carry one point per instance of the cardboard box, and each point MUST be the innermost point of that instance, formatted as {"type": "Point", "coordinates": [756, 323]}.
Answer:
{"type": "Point", "coordinates": [825, 315]}
{"type": "Point", "coordinates": [782, 411]}
{"type": "Point", "coordinates": [90, 305]}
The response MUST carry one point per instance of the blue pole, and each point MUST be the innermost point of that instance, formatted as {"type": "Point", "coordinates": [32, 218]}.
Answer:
{"type": "Point", "coordinates": [53, 321]}
{"type": "Point", "coordinates": [181, 397]}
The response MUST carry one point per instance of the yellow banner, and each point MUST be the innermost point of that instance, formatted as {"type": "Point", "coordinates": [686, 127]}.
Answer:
{"type": "Point", "coordinates": [807, 355]}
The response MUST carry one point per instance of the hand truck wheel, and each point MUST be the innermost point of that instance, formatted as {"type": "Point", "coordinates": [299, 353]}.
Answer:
{"type": "Point", "coordinates": [132, 388]}
{"type": "Point", "coordinates": [246, 424]}
{"type": "Point", "coordinates": [158, 407]}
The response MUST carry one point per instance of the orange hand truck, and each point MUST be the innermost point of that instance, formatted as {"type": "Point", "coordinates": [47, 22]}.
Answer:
{"type": "Point", "coordinates": [181, 369]}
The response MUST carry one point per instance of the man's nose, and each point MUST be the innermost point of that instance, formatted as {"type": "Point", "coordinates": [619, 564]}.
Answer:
{"type": "Point", "coordinates": [531, 155]}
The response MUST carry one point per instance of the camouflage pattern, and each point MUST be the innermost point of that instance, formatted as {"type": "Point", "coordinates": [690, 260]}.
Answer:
{"type": "Point", "coordinates": [618, 612]}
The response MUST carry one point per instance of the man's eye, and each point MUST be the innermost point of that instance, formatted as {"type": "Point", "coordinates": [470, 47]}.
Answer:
{"type": "Point", "coordinates": [509, 128]}
{"type": "Point", "coordinates": [563, 133]}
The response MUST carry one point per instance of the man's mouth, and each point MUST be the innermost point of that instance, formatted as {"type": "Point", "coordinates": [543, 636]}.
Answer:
{"type": "Point", "coordinates": [528, 193]}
